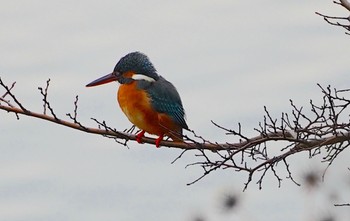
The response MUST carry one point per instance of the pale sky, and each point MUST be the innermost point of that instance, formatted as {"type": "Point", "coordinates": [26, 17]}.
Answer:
{"type": "Point", "coordinates": [227, 59]}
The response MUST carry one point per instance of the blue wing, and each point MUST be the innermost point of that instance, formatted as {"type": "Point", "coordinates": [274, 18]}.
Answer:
{"type": "Point", "coordinates": [166, 99]}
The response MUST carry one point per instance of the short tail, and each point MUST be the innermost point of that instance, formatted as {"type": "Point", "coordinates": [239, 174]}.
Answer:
{"type": "Point", "coordinates": [176, 136]}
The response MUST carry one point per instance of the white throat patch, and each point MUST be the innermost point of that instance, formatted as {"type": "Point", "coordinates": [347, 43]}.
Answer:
{"type": "Point", "coordinates": [142, 77]}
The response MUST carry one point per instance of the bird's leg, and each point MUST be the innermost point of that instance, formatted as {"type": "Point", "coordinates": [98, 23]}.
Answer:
{"type": "Point", "coordinates": [139, 136]}
{"type": "Point", "coordinates": [159, 139]}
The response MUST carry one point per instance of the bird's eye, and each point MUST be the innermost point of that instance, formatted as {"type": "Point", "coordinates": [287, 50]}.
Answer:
{"type": "Point", "coordinates": [116, 73]}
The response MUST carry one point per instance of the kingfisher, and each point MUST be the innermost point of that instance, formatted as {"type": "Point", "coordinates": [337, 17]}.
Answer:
{"type": "Point", "coordinates": [149, 101]}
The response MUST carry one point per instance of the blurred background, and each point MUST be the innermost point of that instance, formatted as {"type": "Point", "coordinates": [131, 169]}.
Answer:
{"type": "Point", "coordinates": [227, 59]}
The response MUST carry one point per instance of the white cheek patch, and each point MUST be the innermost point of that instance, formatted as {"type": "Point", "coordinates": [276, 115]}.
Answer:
{"type": "Point", "coordinates": [142, 77]}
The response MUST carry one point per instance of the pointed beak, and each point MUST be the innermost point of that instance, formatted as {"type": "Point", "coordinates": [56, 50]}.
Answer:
{"type": "Point", "coordinates": [103, 80]}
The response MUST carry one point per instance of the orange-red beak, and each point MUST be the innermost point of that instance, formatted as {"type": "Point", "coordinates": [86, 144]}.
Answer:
{"type": "Point", "coordinates": [103, 80]}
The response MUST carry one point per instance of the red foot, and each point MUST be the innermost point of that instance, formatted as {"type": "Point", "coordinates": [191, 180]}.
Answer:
{"type": "Point", "coordinates": [139, 136]}
{"type": "Point", "coordinates": [159, 139]}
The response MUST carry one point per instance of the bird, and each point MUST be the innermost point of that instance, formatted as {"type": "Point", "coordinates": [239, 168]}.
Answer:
{"type": "Point", "coordinates": [148, 100]}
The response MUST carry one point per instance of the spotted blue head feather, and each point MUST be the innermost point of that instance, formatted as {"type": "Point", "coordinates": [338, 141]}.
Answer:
{"type": "Point", "coordinates": [138, 63]}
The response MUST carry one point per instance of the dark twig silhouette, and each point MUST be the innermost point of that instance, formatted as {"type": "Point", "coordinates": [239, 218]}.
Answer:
{"type": "Point", "coordinates": [343, 22]}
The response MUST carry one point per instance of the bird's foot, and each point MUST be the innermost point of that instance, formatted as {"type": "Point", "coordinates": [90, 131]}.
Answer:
{"type": "Point", "coordinates": [159, 139]}
{"type": "Point", "coordinates": [139, 136]}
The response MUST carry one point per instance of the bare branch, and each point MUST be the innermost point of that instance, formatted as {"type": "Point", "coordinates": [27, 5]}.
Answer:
{"type": "Point", "coordinates": [75, 113]}
{"type": "Point", "coordinates": [342, 204]}
{"type": "Point", "coordinates": [8, 92]}
{"type": "Point", "coordinates": [45, 100]}
{"type": "Point", "coordinates": [318, 131]}
{"type": "Point", "coordinates": [336, 20]}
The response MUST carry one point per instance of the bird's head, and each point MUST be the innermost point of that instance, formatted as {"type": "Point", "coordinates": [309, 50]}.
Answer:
{"type": "Point", "coordinates": [131, 67]}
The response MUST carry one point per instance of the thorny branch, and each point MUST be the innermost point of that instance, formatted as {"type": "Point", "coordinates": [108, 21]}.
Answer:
{"type": "Point", "coordinates": [323, 130]}
{"type": "Point", "coordinates": [343, 22]}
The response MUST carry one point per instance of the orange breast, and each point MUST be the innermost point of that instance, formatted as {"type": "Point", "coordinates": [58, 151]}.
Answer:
{"type": "Point", "coordinates": [137, 107]}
